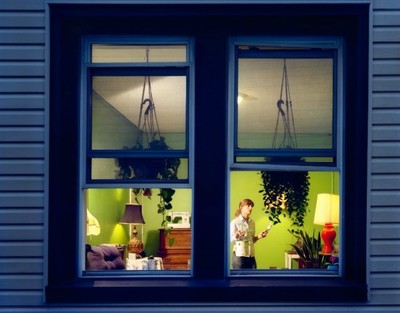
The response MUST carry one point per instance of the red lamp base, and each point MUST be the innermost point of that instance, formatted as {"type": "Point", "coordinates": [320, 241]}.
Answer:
{"type": "Point", "coordinates": [328, 235]}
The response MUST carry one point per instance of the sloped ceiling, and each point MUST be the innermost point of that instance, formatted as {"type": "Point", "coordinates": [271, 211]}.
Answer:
{"type": "Point", "coordinates": [310, 86]}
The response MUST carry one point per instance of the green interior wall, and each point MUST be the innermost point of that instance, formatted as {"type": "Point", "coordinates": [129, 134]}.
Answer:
{"type": "Point", "coordinates": [270, 252]}
{"type": "Point", "coordinates": [107, 205]}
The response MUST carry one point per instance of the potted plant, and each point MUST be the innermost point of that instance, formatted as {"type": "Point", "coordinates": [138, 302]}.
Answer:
{"type": "Point", "coordinates": [333, 264]}
{"type": "Point", "coordinates": [309, 250]}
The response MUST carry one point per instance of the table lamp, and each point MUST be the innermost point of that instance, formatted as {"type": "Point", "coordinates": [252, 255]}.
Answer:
{"type": "Point", "coordinates": [92, 224]}
{"type": "Point", "coordinates": [133, 216]}
{"type": "Point", "coordinates": [327, 214]}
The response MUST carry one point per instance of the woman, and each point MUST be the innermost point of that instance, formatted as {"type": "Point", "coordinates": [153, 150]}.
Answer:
{"type": "Point", "coordinates": [242, 233]}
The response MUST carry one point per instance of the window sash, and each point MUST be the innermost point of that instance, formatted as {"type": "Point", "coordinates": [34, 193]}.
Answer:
{"type": "Point", "coordinates": [286, 48]}
{"type": "Point", "coordinates": [136, 69]}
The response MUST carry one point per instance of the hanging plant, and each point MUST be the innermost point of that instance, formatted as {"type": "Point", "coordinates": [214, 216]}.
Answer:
{"type": "Point", "coordinates": [149, 168]}
{"type": "Point", "coordinates": [285, 194]}
{"type": "Point", "coordinates": [148, 137]}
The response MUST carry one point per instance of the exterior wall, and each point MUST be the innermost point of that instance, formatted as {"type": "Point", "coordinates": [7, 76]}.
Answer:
{"type": "Point", "coordinates": [23, 167]}
{"type": "Point", "coordinates": [385, 154]}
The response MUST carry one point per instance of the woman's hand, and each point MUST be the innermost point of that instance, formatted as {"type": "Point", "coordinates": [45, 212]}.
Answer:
{"type": "Point", "coordinates": [263, 234]}
{"type": "Point", "coordinates": [240, 233]}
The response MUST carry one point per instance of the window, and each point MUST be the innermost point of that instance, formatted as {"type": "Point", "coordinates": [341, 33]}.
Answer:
{"type": "Point", "coordinates": [286, 107]}
{"type": "Point", "coordinates": [209, 148]}
{"type": "Point", "coordinates": [137, 132]}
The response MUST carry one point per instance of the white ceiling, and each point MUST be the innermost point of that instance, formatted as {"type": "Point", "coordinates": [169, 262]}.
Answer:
{"type": "Point", "coordinates": [259, 87]}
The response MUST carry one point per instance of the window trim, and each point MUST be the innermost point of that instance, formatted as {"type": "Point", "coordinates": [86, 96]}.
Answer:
{"type": "Point", "coordinates": [207, 284]}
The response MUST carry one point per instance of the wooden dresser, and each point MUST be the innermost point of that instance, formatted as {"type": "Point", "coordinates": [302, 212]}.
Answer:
{"type": "Point", "coordinates": [177, 255]}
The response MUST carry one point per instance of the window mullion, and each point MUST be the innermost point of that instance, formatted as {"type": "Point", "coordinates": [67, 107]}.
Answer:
{"type": "Point", "coordinates": [210, 158]}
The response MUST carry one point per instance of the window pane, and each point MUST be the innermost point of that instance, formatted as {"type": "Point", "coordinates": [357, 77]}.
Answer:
{"type": "Point", "coordinates": [139, 168]}
{"type": "Point", "coordinates": [133, 111]}
{"type": "Point", "coordinates": [114, 216]}
{"type": "Point", "coordinates": [285, 103]}
{"type": "Point", "coordinates": [275, 251]}
{"type": "Point", "coordinates": [308, 160]}
{"type": "Point", "coordinates": [112, 53]}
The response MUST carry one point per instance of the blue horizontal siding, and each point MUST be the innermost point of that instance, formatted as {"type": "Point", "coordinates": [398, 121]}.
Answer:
{"type": "Point", "coordinates": [22, 233]}
{"type": "Point", "coordinates": [22, 19]}
{"type": "Point", "coordinates": [21, 167]}
{"type": "Point", "coordinates": [24, 53]}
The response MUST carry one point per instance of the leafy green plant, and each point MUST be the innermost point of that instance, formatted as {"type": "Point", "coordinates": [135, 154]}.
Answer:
{"type": "Point", "coordinates": [165, 204]}
{"type": "Point", "coordinates": [152, 168]}
{"type": "Point", "coordinates": [149, 168]}
{"type": "Point", "coordinates": [309, 251]}
{"type": "Point", "coordinates": [285, 194]}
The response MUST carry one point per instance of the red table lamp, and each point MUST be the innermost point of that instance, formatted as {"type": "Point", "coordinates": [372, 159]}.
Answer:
{"type": "Point", "coordinates": [327, 214]}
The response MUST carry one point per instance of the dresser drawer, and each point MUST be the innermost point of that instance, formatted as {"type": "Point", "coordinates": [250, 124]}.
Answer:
{"type": "Point", "coordinates": [175, 239]}
{"type": "Point", "coordinates": [175, 257]}
{"type": "Point", "coordinates": [175, 248]}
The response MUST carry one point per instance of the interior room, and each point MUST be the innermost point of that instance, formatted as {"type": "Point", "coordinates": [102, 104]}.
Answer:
{"type": "Point", "coordinates": [116, 115]}
{"type": "Point", "coordinates": [108, 205]}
